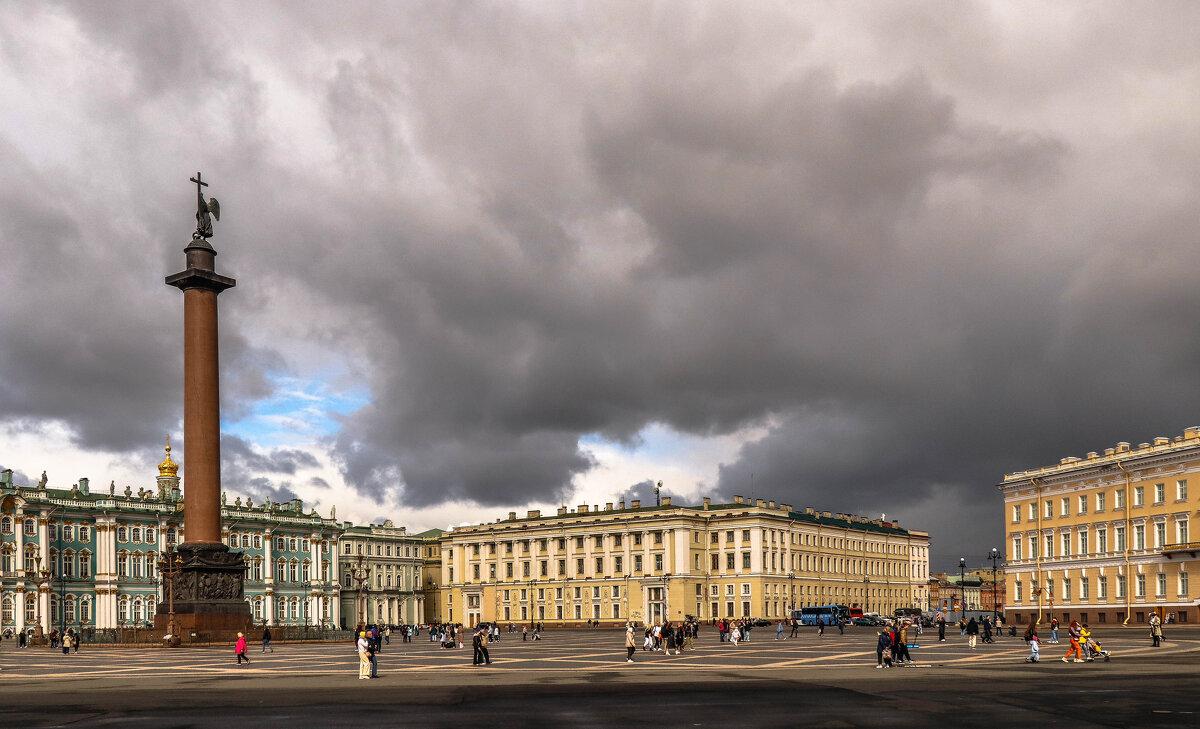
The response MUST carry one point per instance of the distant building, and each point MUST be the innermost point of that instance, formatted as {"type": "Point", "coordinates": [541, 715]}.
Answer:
{"type": "Point", "coordinates": [1105, 538]}
{"type": "Point", "coordinates": [390, 561]}
{"type": "Point", "coordinates": [655, 563]}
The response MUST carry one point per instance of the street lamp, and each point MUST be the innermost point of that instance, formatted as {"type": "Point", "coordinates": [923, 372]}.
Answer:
{"type": "Point", "coordinates": [866, 594]}
{"type": "Point", "coordinates": [359, 573]}
{"type": "Point", "coordinates": [39, 576]}
{"type": "Point", "coordinates": [170, 565]}
{"type": "Point", "coordinates": [962, 582]}
{"type": "Point", "coordinates": [994, 555]}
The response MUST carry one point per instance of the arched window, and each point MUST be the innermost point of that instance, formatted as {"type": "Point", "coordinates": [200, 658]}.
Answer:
{"type": "Point", "coordinates": [6, 525]}
{"type": "Point", "coordinates": [280, 608]}
{"type": "Point", "coordinates": [30, 527]}
{"type": "Point", "coordinates": [30, 557]}
{"type": "Point", "coordinates": [83, 534]}
{"type": "Point", "coordinates": [68, 564]}
{"type": "Point", "coordinates": [68, 533]}
{"type": "Point", "coordinates": [30, 609]}
{"type": "Point", "coordinates": [293, 570]}
{"type": "Point", "coordinates": [257, 607]}
{"type": "Point", "coordinates": [85, 564]}
{"type": "Point", "coordinates": [151, 606]}
{"type": "Point", "coordinates": [171, 535]}
{"type": "Point", "coordinates": [70, 605]}
{"type": "Point", "coordinates": [123, 609]}
{"type": "Point", "coordinates": [295, 609]}
{"type": "Point", "coordinates": [85, 610]}
{"type": "Point", "coordinates": [6, 610]}
{"type": "Point", "coordinates": [122, 534]}
{"type": "Point", "coordinates": [122, 564]}
{"type": "Point", "coordinates": [139, 610]}
{"type": "Point", "coordinates": [6, 558]}
{"type": "Point", "coordinates": [137, 534]}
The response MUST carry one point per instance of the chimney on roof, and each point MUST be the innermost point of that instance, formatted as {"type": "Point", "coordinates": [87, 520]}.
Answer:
{"type": "Point", "coordinates": [621, 504]}
{"type": "Point", "coordinates": [608, 506]}
{"type": "Point", "coordinates": [785, 507]}
{"type": "Point", "coordinates": [771, 504]}
{"type": "Point", "coordinates": [760, 503]}
{"type": "Point", "coordinates": [666, 501]}
{"type": "Point", "coordinates": [582, 508]}
{"type": "Point", "coordinates": [635, 504]}
{"type": "Point", "coordinates": [737, 499]}
{"type": "Point", "coordinates": [562, 510]}
{"type": "Point", "coordinates": [707, 502]}
{"type": "Point", "coordinates": [809, 510]}
{"type": "Point", "coordinates": [533, 514]}
{"type": "Point", "coordinates": [512, 516]}
{"type": "Point", "coordinates": [826, 514]}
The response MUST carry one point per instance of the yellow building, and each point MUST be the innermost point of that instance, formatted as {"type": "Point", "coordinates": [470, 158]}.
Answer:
{"type": "Point", "coordinates": [1104, 538]}
{"type": "Point", "coordinates": [655, 563]}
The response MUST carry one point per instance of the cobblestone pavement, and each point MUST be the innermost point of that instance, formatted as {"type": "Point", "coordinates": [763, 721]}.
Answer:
{"type": "Point", "coordinates": [557, 653]}
{"type": "Point", "coordinates": [580, 679]}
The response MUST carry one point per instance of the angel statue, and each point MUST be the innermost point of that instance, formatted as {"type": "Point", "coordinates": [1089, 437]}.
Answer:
{"type": "Point", "coordinates": [204, 209]}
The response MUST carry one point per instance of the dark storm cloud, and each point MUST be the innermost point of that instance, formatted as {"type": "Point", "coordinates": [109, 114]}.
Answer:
{"type": "Point", "coordinates": [916, 259]}
{"type": "Point", "coordinates": [644, 492]}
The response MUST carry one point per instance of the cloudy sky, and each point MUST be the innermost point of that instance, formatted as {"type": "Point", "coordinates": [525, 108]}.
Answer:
{"type": "Point", "coordinates": [865, 257]}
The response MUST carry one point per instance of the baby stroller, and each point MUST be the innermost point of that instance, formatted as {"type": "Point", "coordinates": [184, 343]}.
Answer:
{"type": "Point", "coordinates": [1094, 650]}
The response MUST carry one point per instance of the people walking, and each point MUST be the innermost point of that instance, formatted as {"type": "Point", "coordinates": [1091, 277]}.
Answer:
{"type": "Point", "coordinates": [479, 641]}
{"type": "Point", "coordinates": [795, 628]}
{"type": "Point", "coordinates": [1073, 632]}
{"type": "Point", "coordinates": [735, 635]}
{"type": "Point", "coordinates": [972, 632]}
{"type": "Point", "coordinates": [779, 631]}
{"type": "Point", "coordinates": [240, 649]}
{"type": "Point", "coordinates": [900, 651]}
{"type": "Point", "coordinates": [364, 660]}
{"type": "Point", "coordinates": [630, 644]}
{"type": "Point", "coordinates": [1053, 630]}
{"type": "Point", "coordinates": [883, 649]}
{"type": "Point", "coordinates": [941, 623]}
{"type": "Point", "coordinates": [266, 639]}
{"type": "Point", "coordinates": [1155, 630]}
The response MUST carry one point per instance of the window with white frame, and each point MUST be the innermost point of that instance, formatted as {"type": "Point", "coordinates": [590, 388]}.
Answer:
{"type": "Point", "coordinates": [1066, 544]}
{"type": "Point", "coordinates": [1183, 584]}
{"type": "Point", "coordinates": [1181, 490]}
{"type": "Point", "coordinates": [1181, 531]}
{"type": "Point", "coordinates": [1161, 584]}
{"type": "Point", "coordinates": [1160, 493]}
{"type": "Point", "coordinates": [1160, 534]}
{"type": "Point", "coordinates": [1084, 588]}
{"type": "Point", "coordinates": [1101, 497]}
{"type": "Point", "coordinates": [1139, 495]}
{"type": "Point", "coordinates": [1016, 512]}
{"type": "Point", "coordinates": [1141, 586]}
{"type": "Point", "coordinates": [1066, 506]}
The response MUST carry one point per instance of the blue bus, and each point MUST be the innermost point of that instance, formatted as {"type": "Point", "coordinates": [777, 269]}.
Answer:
{"type": "Point", "coordinates": [823, 615]}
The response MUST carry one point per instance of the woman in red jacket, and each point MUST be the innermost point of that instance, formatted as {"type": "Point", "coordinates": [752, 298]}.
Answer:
{"type": "Point", "coordinates": [240, 648]}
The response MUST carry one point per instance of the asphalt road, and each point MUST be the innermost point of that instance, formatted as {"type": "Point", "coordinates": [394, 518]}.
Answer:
{"type": "Point", "coordinates": [580, 679]}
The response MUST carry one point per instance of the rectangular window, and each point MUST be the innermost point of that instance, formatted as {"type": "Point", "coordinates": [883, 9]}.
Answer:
{"type": "Point", "coordinates": [618, 564]}
{"type": "Point", "coordinates": [1100, 499]}
{"type": "Point", "coordinates": [1183, 584]}
{"type": "Point", "coordinates": [745, 535]}
{"type": "Point", "coordinates": [1048, 511]}
{"type": "Point", "coordinates": [1181, 490]}
{"type": "Point", "coordinates": [1162, 585]}
{"type": "Point", "coordinates": [1181, 530]}
{"type": "Point", "coordinates": [1101, 540]}
{"type": "Point", "coordinates": [1102, 587]}
{"type": "Point", "coordinates": [637, 563]}
{"type": "Point", "coordinates": [1083, 543]}
{"type": "Point", "coordinates": [1049, 546]}
{"type": "Point", "coordinates": [1119, 502]}
{"type": "Point", "coordinates": [1141, 586]}
{"type": "Point", "coordinates": [599, 566]}
{"type": "Point", "coordinates": [1160, 493]}
{"type": "Point", "coordinates": [1017, 591]}
{"type": "Point", "coordinates": [1016, 548]}
{"type": "Point", "coordinates": [1032, 512]}
{"type": "Point", "coordinates": [745, 560]}
{"type": "Point", "coordinates": [1120, 538]}
{"type": "Point", "coordinates": [1066, 507]}
{"type": "Point", "coordinates": [1016, 513]}
{"type": "Point", "coordinates": [1160, 535]}
{"type": "Point", "coordinates": [1139, 536]}
{"type": "Point", "coordinates": [1083, 504]}
{"type": "Point", "coordinates": [1066, 594]}
{"type": "Point", "coordinates": [1066, 544]}
{"type": "Point", "coordinates": [1084, 588]}
{"type": "Point", "coordinates": [1139, 496]}
{"type": "Point", "coordinates": [1033, 548]}
{"type": "Point", "coordinates": [729, 558]}
{"type": "Point", "coordinates": [658, 563]}
{"type": "Point", "coordinates": [579, 567]}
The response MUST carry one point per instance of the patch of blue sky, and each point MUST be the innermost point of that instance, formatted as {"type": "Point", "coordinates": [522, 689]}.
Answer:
{"type": "Point", "coordinates": [654, 441]}
{"type": "Point", "coordinates": [299, 411]}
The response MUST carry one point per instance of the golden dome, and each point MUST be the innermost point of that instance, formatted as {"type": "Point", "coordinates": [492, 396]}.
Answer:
{"type": "Point", "coordinates": [168, 467]}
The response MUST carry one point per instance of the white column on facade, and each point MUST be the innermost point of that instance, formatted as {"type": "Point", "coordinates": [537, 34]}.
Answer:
{"type": "Point", "coordinates": [268, 577]}
{"type": "Point", "coordinates": [314, 575]}
{"type": "Point", "coordinates": [682, 552]}
{"type": "Point", "coordinates": [19, 566]}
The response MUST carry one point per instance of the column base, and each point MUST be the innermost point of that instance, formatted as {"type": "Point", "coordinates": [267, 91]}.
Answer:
{"type": "Point", "coordinates": [209, 596]}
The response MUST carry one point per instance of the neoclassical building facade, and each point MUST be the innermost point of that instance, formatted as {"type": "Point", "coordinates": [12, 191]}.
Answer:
{"type": "Point", "coordinates": [1105, 538]}
{"type": "Point", "coordinates": [655, 563]}
{"type": "Point", "coordinates": [77, 558]}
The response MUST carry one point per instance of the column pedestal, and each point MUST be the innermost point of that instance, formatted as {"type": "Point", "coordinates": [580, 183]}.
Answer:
{"type": "Point", "coordinates": [210, 602]}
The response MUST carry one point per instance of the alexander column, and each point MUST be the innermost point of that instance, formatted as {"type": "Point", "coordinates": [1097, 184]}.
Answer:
{"type": "Point", "coordinates": [209, 590]}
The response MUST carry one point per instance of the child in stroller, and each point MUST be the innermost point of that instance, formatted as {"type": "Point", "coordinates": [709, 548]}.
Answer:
{"type": "Point", "coordinates": [1093, 650]}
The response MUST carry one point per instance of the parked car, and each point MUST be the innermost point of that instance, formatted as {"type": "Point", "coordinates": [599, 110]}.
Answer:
{"type": "Point", "coordinates": [760, 623]}
{"type": "Point", "coordinates": [862, 621]}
